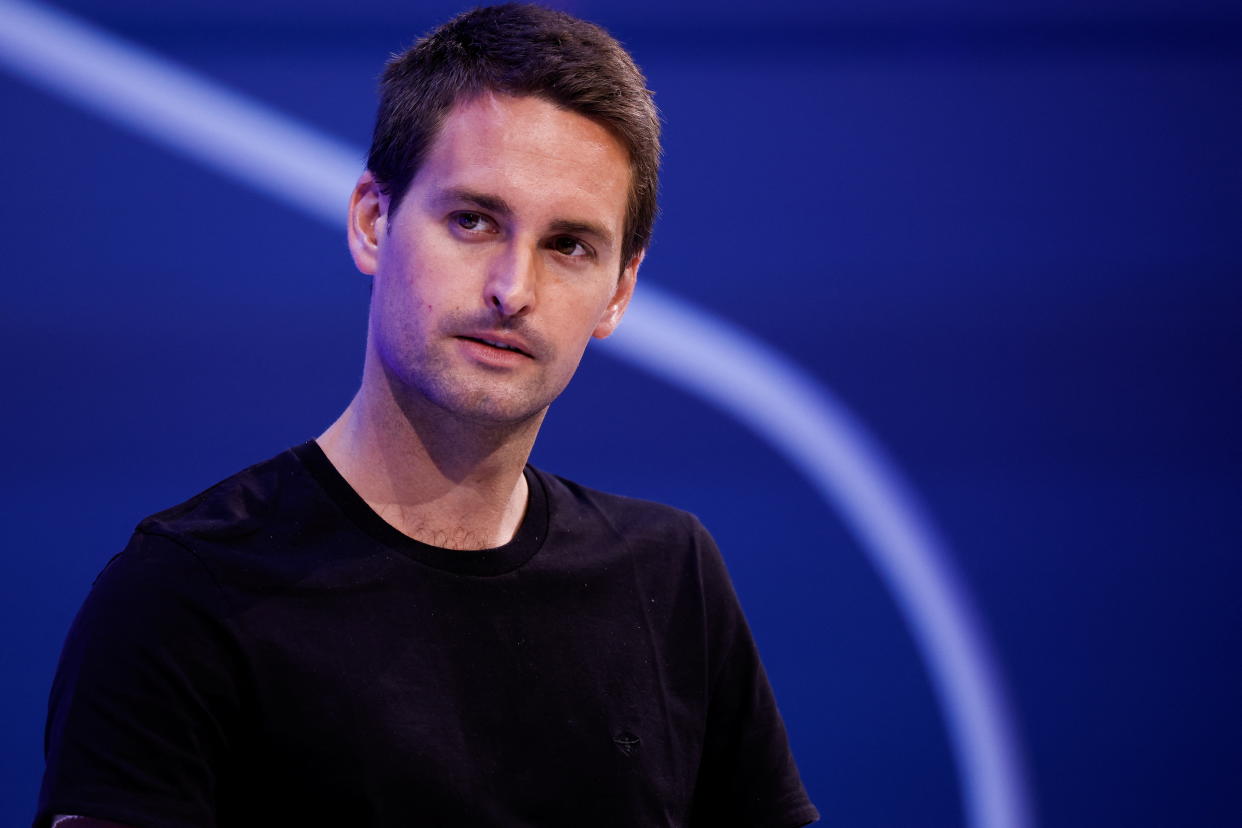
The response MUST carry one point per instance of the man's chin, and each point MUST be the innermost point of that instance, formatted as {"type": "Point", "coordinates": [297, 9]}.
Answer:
{"type": "Point", "coordinates": [486, 408]}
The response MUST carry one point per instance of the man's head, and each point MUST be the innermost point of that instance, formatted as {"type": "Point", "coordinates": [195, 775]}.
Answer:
{"type": "Point", "coordinates": [518, 50]}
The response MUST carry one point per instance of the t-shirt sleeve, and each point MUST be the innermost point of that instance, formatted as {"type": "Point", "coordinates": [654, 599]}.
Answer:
{"type": "Point", "coordinates": [747, 775]}
{"type": "Point", "coordinates": [145, 695]}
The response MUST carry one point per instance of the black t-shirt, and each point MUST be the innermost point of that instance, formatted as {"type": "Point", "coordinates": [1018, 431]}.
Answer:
{"type": "Point", "coordinates": [272, 652]}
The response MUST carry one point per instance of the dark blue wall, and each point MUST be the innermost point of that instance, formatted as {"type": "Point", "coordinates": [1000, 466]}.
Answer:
{"type": "Point", "coordinates": [1006, 235]}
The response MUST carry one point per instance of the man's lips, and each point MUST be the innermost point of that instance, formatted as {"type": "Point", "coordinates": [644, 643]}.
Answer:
{"type": "Point", "coordinates": [500, 341]}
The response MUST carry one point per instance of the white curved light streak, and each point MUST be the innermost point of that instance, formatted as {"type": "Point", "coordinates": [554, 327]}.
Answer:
{"type": "Point", "coordinates": [682, 344]}
{"type": "Point", "coordinates": [798, 417]}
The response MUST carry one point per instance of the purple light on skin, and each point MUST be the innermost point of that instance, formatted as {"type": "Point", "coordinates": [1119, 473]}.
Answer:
{"type": "Point", "coordinates": [684, 345]}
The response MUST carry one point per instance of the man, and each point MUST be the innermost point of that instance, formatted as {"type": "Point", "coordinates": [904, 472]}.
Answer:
{"type": "Point", "coordinates": [402, 623]}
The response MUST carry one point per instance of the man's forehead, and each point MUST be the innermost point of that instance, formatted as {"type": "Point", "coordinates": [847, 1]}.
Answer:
{"type": "Point", "coordinates": [528, 124]}
{"type": "Point", "coordinates": [528, 152]}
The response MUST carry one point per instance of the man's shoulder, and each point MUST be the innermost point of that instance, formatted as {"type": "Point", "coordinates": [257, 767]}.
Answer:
{"type": "Point", "coordinates": [238, 506]}
{"type": "Point", "coordinates": [266, 526]}
{"type": "Point", "coordinates": [635, 519]}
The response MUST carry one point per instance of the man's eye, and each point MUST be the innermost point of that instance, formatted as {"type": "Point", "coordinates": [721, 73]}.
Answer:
{"type": "Point", "coordinates": [472, 221]}
{"type": "Point", "coordinates": [569, 246]}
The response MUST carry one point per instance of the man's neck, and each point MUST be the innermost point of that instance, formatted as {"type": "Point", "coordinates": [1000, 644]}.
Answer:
{"type": "Point", "coordinates": [434, 477]}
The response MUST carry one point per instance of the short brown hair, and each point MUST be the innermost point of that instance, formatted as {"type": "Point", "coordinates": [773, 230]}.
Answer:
{"type": "Point", "coordinates": [518, 50]}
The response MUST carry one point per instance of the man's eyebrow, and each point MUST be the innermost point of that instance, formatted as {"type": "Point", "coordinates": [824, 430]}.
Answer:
{"type": "Point", "coordinates": [484, 201]}
{"type": "Point", "coordinates": [583, 228]}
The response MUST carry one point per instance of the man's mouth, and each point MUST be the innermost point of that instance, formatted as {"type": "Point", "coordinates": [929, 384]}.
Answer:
{"type": "Point", "coordinates": [504, 346]}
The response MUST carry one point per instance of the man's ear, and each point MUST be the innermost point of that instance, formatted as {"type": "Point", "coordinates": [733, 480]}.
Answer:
{"type": "Point", "coordinates": [368, 221]}
{"type": "Point", "coordinates": [620, 298]}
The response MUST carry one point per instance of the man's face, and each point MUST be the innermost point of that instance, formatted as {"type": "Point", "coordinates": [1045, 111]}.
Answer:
{"type": "Point", "coordinates": [502, 260]}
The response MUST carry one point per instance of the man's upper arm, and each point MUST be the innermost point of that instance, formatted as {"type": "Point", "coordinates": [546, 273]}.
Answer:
{"type": "Point", "coordinates": [144, 697]}
{"type": "Point", "coordinates": [71, 821]}
{"type": "Point", "coordinates": [747, 775]}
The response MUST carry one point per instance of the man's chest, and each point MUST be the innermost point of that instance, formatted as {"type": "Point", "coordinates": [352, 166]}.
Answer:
{"type": "Point", "coordinates": [563, 701]}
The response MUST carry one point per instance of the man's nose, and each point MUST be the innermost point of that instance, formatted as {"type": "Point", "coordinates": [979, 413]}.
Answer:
{"type": "Point", "coordinates": [510, 288]}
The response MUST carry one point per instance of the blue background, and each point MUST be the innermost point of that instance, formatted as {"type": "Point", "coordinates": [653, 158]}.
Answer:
{"type": "Point", "coordinates": [1006, 235]}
